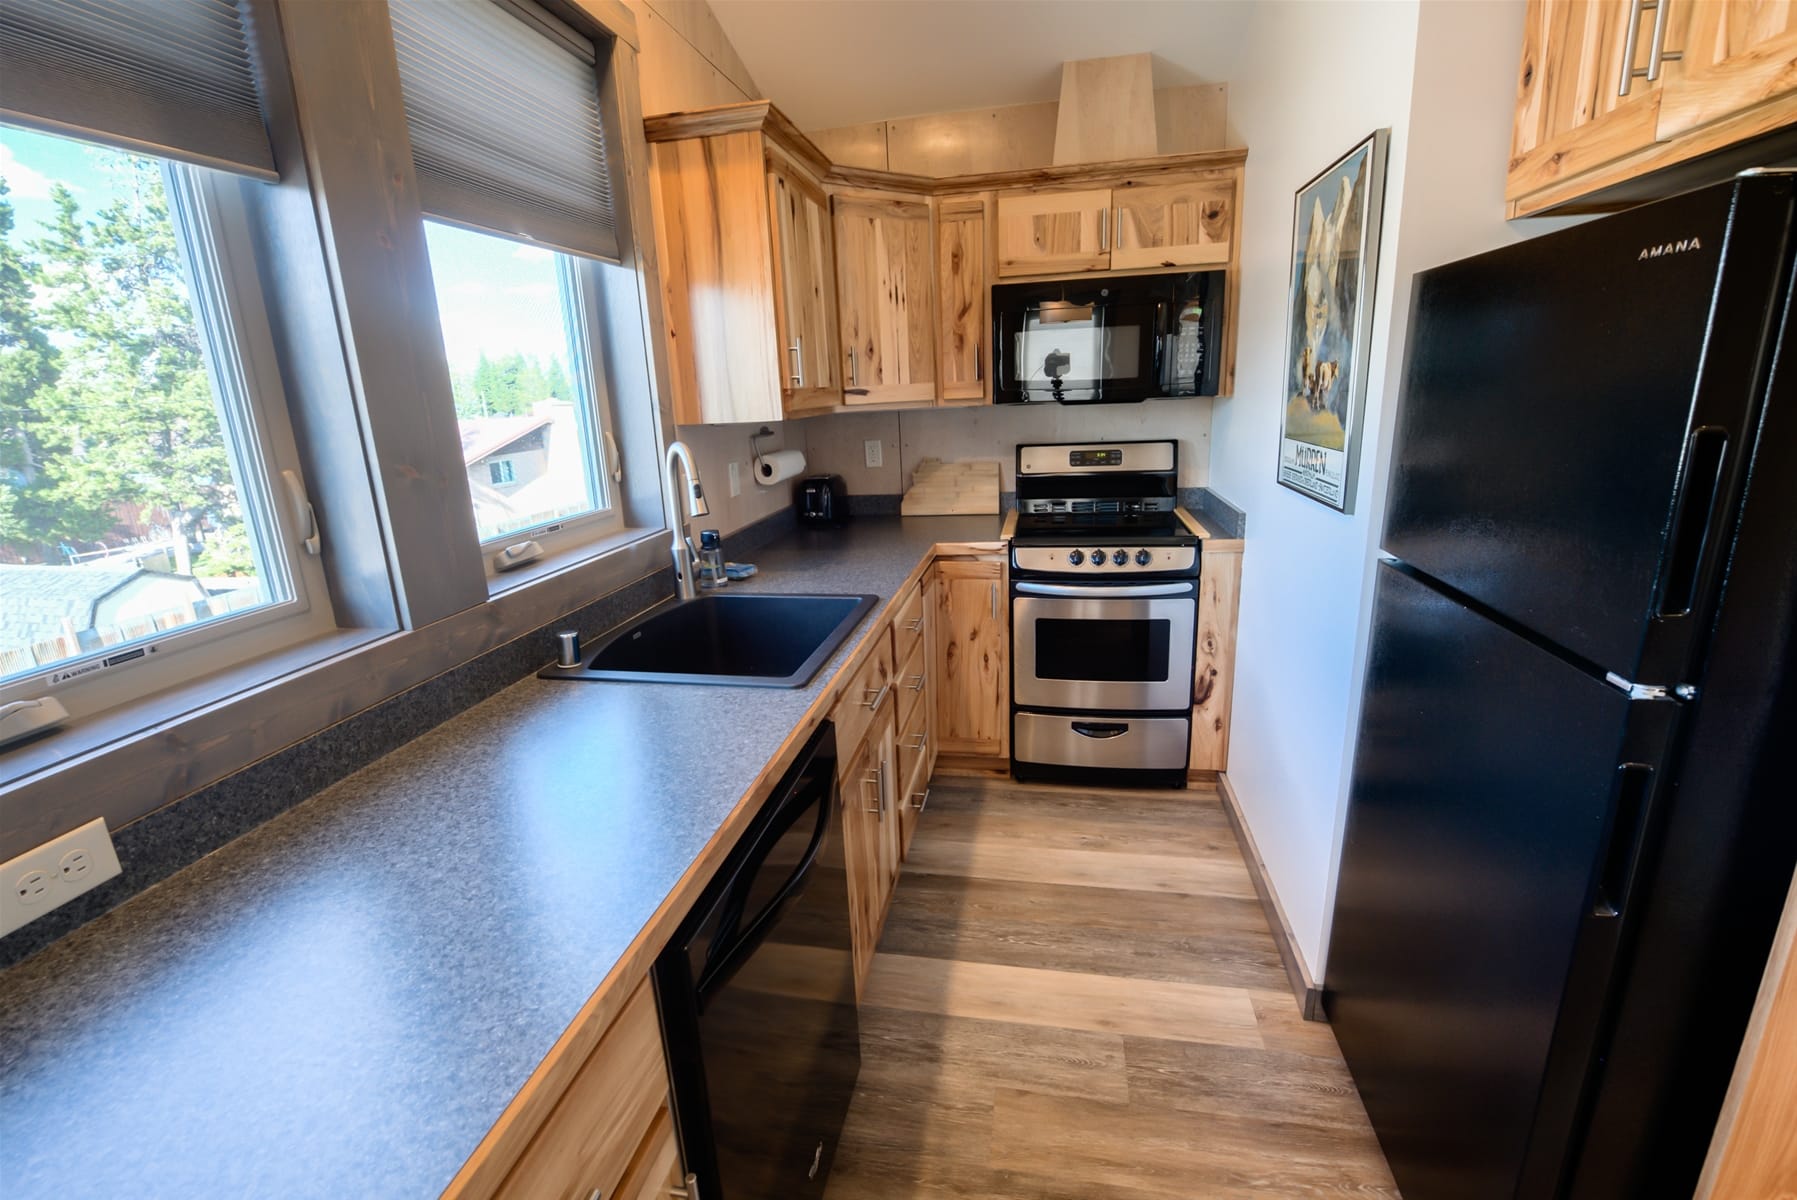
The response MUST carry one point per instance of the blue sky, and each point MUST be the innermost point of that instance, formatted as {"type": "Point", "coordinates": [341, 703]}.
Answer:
{"type": "Point", "coordinates": [494, 296]}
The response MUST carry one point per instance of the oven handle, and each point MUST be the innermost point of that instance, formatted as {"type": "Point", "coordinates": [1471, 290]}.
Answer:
{"type": "Point", "coordinates": [1105, 591]}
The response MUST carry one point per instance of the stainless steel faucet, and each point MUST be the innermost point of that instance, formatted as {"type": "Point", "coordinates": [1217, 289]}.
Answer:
{"type": "Point", "coordinates": [686, 558]}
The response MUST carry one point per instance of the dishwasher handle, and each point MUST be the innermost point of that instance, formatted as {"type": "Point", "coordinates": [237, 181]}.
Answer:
{"type": "Point", "coordinates": [724, 962]}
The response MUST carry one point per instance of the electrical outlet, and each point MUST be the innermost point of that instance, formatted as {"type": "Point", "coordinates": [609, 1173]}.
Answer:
{"type": "Point", "coordinates": [875, 451]}
{"type": "Point", "coordinates": [55, 873]}
{"type": "Point", "coordinates": [736, 479]}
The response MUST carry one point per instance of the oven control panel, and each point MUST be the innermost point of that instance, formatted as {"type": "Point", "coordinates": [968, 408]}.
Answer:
{"type": "Point", "coordinates": [1099, 559]}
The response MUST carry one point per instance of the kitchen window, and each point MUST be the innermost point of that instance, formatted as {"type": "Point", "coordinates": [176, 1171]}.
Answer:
{"type": "Point", "coordinates": [502, 102]}
{"type": "Point", "coordinates": [517, 328]}
{"type": "Point", "coordinates": [150, 494]}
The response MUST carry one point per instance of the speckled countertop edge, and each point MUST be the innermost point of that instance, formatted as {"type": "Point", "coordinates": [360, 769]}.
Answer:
{"type": "Point", "coordinates": [344, 1000]}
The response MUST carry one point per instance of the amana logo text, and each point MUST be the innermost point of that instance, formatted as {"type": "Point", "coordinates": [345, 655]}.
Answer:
{"type": "Point", "coordinates": [1665, 248]}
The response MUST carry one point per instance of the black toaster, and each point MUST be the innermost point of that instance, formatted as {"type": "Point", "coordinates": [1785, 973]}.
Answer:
{"type": "Point", "coordinates": [821, 500]}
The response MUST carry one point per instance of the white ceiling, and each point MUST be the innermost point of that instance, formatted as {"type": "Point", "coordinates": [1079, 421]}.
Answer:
{"type": "Point", "coordinates": [841, 62]}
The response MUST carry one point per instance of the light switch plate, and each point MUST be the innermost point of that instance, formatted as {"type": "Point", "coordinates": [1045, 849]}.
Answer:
{"type": "Point", "coordinates": [875, 451]}
{"type": "Point", "coordinates": [55, 873]}
{"type": "Point", "coordinates": [736, 479]}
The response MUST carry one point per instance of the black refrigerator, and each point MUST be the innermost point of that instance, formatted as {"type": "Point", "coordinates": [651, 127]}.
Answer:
{"type": "Point", "coordinates": [1572, 822]}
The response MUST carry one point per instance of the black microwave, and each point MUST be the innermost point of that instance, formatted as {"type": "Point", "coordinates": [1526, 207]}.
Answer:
{"type": "Point", "coordinates": [1107, 341]}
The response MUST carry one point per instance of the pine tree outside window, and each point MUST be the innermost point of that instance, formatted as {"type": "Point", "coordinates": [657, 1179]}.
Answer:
{"type": "Point", "coordinates": [138, 519]}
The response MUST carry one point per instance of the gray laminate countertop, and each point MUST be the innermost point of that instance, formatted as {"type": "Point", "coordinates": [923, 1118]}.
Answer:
{"type": "Point", "coordinates": [343, 1001]}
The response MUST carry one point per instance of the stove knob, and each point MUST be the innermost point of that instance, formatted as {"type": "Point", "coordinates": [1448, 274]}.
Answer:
{"type": "Point", "coordinates": [1143, 558]}
{"type": "Point", "coordinates": [1098, 558]}
{"type": "Point", "coordinates": [1120, 557]}
{"type": "Point", "coordinates": [1077, 557]}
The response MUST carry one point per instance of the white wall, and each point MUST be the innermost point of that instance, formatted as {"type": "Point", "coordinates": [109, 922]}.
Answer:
{"type": "Point", "coordinates": [1320, 76]}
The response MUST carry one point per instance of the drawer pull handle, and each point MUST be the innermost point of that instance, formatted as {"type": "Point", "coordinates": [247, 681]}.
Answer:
{"type": "Point", "coordinates": [917, 683]}
{"type": "Point", "coordinates": [874, 777]}
{"type": "Point", "coordinates": [920, 799]}
{"type": "Point", "coordinates": [915, 626]}
{"type": "Point", "coordinates": [689, 1192]}
{"type": "Point", "coordinates": [873, 696]}
{"type": "Point", "coordinates": [917, 743]}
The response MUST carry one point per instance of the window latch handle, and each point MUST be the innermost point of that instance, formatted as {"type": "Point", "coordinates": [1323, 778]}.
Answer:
{"type": "Point", "coordinates": [304, 519]}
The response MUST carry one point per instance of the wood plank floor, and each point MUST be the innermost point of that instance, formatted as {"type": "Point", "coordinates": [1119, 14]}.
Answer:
{"type": "Point", "coordinates": [1076, 996]}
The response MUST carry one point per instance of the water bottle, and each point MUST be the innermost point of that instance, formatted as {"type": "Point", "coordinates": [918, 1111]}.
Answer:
{"type": "Point", "coordinates": [711, 560]}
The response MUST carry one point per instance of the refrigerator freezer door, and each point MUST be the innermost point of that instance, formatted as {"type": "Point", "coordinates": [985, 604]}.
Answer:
{"type": "Point", "coordinates": [1561, 395]}
{"type": "Point", "coordinates": [1483, 782]}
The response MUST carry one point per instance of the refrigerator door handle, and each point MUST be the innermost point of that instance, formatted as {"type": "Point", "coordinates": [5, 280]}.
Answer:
{"type": "Point", "coordinates": [1700, 490]}
{"type": "Point", "coordinates": [1634, 786]}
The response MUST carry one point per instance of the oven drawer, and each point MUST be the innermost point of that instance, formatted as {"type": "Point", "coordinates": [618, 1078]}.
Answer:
{"type": "Point", "coordinates": [1120, 743]}
{"type": "Point", "coordinates": [1108, 650]}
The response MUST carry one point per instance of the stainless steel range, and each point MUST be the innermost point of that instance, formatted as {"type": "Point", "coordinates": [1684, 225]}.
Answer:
{"type": "Point", "coordinates": [1104, 607]}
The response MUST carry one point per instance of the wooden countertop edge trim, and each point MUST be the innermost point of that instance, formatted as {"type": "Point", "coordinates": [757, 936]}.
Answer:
{"type": "Point", "coordinates": [761, 116]}
{"type": "Point", "coordinates": [1214, 541]}
{"type": "Point", "coordinates": [492, 1160]}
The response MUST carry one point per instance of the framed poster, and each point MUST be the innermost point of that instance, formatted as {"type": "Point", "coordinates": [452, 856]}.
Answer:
{"type": "Point", "coordinates": [1335, 257]}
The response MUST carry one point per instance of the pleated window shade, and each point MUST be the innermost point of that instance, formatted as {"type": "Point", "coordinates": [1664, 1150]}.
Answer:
{"type": "Point", "coordinates": [173, 77]}
{"type": "Point", "coordinates": [502, 101]}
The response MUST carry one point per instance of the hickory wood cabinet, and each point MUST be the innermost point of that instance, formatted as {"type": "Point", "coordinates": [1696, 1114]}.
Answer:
{"type": "Point", "coordinates": [594, 1120]}
{"type": "Point", "coordinates": [1185, 222]}
{"type": "Point", "coordinates": [884, 296]}
{"type": "Point", "coordinates": [885, 749]}
{"type": "Point", "coordinates": [1612, 94]}
{"type": "Point", "coordinates": [742, 234]}
{"type": "Point", "coordinates": [972, 658]}
{"type": "Point", "coordinates": [906, 263]}
{"type": "Point", "coordinates": [964, 298]}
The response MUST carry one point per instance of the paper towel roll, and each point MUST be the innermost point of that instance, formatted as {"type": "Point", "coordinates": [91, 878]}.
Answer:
{"type": "Point", "coordinates": [781, 464]}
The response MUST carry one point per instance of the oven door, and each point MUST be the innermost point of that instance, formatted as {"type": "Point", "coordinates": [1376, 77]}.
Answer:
{"type": "Point", "coordinates": [1103, 647]}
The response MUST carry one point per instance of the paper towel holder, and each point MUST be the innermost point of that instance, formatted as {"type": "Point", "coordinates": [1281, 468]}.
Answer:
{"type": "Point", "coordinates": [755, 448]}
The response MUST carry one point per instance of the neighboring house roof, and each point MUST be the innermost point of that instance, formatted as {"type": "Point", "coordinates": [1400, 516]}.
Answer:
{"type": "Point", "coordinates": [36, 600]}
{"type": "Point", "coordinates": [484, 436]}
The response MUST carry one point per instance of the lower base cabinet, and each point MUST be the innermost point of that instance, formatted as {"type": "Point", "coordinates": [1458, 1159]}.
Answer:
{"type": "Point", "coordinates": [613, 1116]}
{"type": "Point", "coordinates": [972, 658]}
{"type": "Point", "coordinates": [658, 1174]}
{"type": "Point", "coordinates": [888, 710]}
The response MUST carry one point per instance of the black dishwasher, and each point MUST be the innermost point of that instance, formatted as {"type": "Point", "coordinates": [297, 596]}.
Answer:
{"type": "Point", "coordinates": [757, 995]}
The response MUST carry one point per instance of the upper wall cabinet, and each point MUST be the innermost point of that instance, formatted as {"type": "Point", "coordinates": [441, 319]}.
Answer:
{"type": "Point", "coordinates": [804, 290]}
{"type": "Point", "coordinates": [746, 280]}
{"type": "Point", "coordinates": [883, 290]}
{"type": "Point", "coordinates": [793, 285]}
{"type": "Point", "coordinates": [1173, 224]}
{"type": "Point", "coordinates": [1052, 233]}
{"type": "Point", "coordinates": [1616, 99]}
{"type": "Point", "coordinates": [963, 299]}
{"type": "Point", "coordinates": [1134, 226]}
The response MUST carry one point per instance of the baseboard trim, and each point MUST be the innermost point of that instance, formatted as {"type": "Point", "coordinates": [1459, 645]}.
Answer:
{"type": "Point", "coordinates": [1304, 988]}
{"type": "Point", "coordinates": [973, 766]}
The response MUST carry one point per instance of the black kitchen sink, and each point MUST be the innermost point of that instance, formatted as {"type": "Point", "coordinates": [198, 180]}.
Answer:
{"type": "Point", "coordinates": [755, 640]}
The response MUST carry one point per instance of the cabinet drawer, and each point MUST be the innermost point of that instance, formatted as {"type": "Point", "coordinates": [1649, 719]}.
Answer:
{"type": "Point", "coordinates": [656, 1173]}
{"type": "Point", "coordinates": [862, 695]}
{"type": "Point", "coordinates": [608, 1110]}
{"type": "Point", "coordinates": [913, 742]}
{"type": "Point", "coordinates": [912, 683]}
{"type": "Point", "coordinates": [909, 621]}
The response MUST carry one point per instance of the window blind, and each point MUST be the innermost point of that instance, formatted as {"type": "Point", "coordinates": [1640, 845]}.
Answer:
{"type": "Point", "coordinates": [502, 101]}
{"type": "Point", "coordinates": [173, 78]}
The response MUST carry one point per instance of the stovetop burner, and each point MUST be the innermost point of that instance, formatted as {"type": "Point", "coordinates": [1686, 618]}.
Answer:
{"type": "Point", "coordinates": [1103, 512]}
